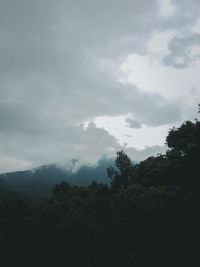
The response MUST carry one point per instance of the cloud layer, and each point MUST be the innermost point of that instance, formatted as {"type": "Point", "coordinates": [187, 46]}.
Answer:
{"type": "Point", "coordinates": [61, 67]}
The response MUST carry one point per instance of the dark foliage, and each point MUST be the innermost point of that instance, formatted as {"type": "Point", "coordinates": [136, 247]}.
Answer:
{"type": "Point", "coordinates": [147, 217]}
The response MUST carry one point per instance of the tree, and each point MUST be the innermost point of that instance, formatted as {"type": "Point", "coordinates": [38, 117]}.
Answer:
{"type": "Point", "coordinates": [123, 176]}
{"type": "Point", "coordinates": [185, 138]}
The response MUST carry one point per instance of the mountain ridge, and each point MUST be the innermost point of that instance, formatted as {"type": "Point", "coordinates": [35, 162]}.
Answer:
{"type": "Point", "coordinates": [40, 181]}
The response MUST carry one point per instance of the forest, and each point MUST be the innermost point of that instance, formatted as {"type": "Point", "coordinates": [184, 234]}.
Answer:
{"type": "Point", "coordinates": [146, 215]}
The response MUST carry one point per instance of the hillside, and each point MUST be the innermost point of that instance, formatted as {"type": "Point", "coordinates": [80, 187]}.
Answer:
{"type": "Point", "coordinates": [40, 181]}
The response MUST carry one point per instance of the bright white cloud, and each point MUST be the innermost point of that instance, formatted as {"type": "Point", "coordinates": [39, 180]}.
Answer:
{"type": "Point", "coordinates": [133, 137]}
{"type": "Point", "coordinates": [153, 77]}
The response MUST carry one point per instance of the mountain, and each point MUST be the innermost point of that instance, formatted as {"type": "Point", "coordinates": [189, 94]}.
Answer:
{"type": "Point", "coordinates": [39, 182]}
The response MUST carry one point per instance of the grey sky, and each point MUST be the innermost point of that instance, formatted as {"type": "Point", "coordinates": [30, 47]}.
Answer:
{"type": "Point", "coordinates": [180, 55]}
{"type": "Point", "coordinates": [67, 64]}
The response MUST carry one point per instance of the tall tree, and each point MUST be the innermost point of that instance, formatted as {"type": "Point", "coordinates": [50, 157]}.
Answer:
{"type": "Point", "coordinates": [121, 177]}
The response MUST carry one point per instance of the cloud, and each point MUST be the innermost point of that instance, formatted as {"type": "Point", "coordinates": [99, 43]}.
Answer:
{"type": "Point", "coordinates": [133, 123]}
{"type": "Point", "coordinates": [60, 66]}
{"type": "Point", "coordinates": [13, 164]}
{"type": "Point", "coordinates": [196, 26]}
{"type": "Point", "coordinates": [159, 42]}
{"type": "Point", "coordinates": [174, 84]}
{"type": "Point", "coordinates": [138, 155]}
{"type": "Point", "coordinates": [15, 118]}
{"type": "Point", "coordinates": [166, 8]}
{"type": "Point", "coordinates": [181, 52]}
{"type": "Point", "coordinates": [137, 138]}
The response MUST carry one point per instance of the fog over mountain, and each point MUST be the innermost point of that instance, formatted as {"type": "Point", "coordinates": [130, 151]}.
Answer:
{"type": "Point", "coordinates": [39, 182]}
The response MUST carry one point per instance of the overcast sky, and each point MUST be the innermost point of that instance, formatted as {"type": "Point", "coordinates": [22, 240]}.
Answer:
{"type": "Point", "coordinates": [84, 78]}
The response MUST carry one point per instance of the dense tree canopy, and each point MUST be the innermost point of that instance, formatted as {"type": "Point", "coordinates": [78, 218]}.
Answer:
{"type": "Point", "coordinates": [186, 138]}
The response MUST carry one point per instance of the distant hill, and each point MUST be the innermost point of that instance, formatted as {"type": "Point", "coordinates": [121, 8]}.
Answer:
{"type": "Point", "coordinates": [40, 181]}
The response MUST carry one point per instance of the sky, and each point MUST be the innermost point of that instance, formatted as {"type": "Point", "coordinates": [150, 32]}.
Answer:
{"type": "Point", "coordinates": [82, 79]}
